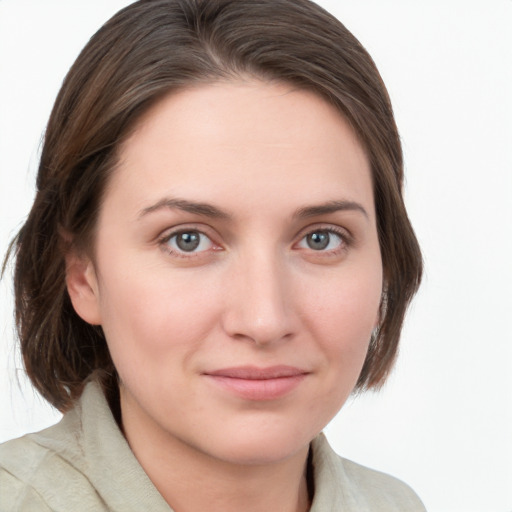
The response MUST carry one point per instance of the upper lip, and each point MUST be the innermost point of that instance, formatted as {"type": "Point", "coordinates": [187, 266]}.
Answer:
{"type": "Point", "coordinates": [257, 373]}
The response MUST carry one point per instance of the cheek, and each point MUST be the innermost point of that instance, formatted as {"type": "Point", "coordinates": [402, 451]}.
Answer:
{"type": "Point", "coordinates": [152, 316]}
{"type": "Point", "coordinates": [348, 303]}
{"type": "Point", "coordinates": [343, 314]}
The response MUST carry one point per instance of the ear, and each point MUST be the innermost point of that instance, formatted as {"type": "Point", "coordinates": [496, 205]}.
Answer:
{"type": "Point", "coordinates": [82, 285]}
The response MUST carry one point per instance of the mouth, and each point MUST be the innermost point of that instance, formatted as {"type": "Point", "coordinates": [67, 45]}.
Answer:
{"type": "Point", "coordinates": [258, 384]}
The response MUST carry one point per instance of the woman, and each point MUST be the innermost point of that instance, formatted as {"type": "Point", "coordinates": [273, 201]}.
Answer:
{"type": "Point", "coordinates": [217, 256]}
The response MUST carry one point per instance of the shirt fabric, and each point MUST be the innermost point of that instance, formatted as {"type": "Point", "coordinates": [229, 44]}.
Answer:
{"type": "Point", "coordinates": [84, 464]}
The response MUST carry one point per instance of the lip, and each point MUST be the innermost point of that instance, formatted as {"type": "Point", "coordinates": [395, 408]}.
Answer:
{"type": "Point", "coordinates": [259, 384]}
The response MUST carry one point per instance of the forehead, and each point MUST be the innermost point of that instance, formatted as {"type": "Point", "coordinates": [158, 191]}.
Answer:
{"type": "Point", "coordinates": [252, 139]}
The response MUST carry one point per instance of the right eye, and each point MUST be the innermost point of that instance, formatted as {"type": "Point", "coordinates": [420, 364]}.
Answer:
{"type": "Point", "coordinates": [187, 242]}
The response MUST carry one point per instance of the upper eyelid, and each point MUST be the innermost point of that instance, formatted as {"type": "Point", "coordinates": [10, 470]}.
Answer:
{"type": "Point", "coordinates": [168, 235]}
{"type": "Point", "coordinates": [325, 226]}
{"type": "Point", "coordinates": [176, 230]}
{"type": "Point", "coordinates": [347, 240]}
{"type": "Point", "coordinates": [173, 234]}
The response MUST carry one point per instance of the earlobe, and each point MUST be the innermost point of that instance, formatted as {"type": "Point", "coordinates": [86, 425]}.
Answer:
{"type": "Point", "coordinates": [82, 285]}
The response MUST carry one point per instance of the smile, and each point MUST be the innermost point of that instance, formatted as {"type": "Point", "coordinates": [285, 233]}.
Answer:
{"type": "Point", "coordinates": [258, 384]}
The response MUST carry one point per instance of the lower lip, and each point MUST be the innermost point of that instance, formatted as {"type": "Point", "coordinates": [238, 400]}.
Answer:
{"type": "Point", "coordinates": [259, 389]}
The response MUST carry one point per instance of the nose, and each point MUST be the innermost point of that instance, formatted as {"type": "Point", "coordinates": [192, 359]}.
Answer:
{"type": "Point", "coordinates": [259, 303]}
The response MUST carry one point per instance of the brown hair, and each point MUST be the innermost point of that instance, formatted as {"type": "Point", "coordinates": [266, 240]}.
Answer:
{"type": "Point", "coordinates": [145, 51]}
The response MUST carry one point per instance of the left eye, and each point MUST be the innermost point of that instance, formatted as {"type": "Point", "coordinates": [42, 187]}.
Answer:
{"type": "Point", "coordinates": [321, 240]}
{"type": "Point", "coordinates": [189, 241]}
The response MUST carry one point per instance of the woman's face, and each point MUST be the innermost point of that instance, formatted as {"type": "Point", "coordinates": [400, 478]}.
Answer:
{"type": "Point", "coordinates": [237, 272]}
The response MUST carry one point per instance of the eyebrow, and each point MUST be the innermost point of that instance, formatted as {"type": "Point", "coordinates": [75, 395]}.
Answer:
{"type": "Point", "coordinates": [208, 210]}
{"type": "Point", "coordinates": [204, 209]}
{"type": "Point", "coordinates": [330, 207]}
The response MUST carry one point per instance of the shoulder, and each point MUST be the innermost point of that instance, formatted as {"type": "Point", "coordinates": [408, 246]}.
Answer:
{"type": "Point", "coordinates": [354, 487]}
{"type": "Point", "coordinates": [380, 490]}
{"type": "Point", "coordinates": [82, 463]}
{"type": "Point", "coordinates": [19, 463]}
{"type": "Point", "coordinates": [43, 471]}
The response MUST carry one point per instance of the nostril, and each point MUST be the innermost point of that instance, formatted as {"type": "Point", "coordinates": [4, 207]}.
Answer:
{"type": "Point", "coordinates": [244, 324]}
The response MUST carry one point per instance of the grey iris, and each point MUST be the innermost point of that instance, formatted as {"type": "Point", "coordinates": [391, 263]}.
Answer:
{"type": "Point", "coordinates": [188, 242]}
{"type": "Point", "coordinates": [318, 240]}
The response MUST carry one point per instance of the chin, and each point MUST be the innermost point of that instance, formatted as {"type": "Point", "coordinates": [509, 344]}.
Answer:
{"type": "Point", "coordinates": [253, 454]}
{"type": "Point", "coordinates": [259, 447]}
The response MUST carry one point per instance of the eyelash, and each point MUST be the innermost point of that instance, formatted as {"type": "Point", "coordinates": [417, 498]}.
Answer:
{"type": "Point", "coordinates": [164, 243]}
{"type": "Point", "coordinates": [345, 242]}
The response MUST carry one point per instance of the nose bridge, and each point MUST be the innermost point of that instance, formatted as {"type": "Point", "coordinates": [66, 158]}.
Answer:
{"type": "Point", "coordinates": [259, 306]}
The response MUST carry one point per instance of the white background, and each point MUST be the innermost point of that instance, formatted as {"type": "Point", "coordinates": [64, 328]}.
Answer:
{"type": "Point", "coordinates": [443, 423]}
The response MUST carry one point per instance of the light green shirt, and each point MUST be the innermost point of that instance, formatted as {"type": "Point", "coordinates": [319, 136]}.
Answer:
{"type": "Point", "coordinates": [84, 464]}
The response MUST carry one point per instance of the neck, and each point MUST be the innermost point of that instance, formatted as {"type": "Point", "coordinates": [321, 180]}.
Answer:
{"type": "Point", "coordinates": [197, 484]}
{"type": "Point", "coordinates": [192, 481]}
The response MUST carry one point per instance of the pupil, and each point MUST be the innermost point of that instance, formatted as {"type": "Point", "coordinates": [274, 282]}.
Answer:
{"type": "Point", "coordinates": [318, 240]}
{"type": "Point", "coordinates": [188, 241]}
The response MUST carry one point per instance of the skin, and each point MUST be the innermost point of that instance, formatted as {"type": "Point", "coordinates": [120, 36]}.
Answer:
{"type": "Point", "coordinates": [253, 293]}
